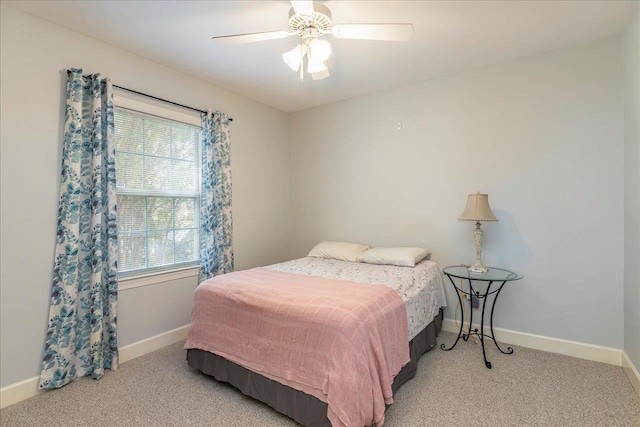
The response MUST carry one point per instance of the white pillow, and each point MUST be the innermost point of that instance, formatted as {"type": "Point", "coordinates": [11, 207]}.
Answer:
{"type": "Point", "coordinates": [403, 257]}
{"type": "Point", "coordinates": [338, 250]}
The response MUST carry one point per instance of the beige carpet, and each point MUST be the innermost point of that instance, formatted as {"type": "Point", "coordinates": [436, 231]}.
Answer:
{"type": "Point", "coordinates": [451, 388]}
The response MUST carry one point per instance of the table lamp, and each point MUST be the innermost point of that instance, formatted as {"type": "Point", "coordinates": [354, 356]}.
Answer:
{"type": "Point", "coordinates": [478, 210]}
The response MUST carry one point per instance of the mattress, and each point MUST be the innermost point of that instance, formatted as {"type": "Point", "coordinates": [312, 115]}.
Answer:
{"type": "Point", "coordinates": [421, 287]}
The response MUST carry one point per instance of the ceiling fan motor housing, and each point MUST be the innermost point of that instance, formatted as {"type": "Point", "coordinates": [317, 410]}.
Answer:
{"type": "Point", "coordinates": [320, 21]}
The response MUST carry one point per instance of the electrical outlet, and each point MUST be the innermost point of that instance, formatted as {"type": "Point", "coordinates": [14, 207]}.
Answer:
{"type": "Point", "coordinates": [475, 301]}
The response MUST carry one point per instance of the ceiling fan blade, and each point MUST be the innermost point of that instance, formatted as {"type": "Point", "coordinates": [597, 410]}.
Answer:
{"type": "Point", "coordinates": [251, 37]}
{"type": "Point", "coordinates": [303, 7]}
{"type": "Point", "coordinates": [391, 32]}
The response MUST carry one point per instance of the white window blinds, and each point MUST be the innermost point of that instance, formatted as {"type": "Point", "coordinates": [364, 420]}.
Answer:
{"type": "Point", "coordinates": [158, 182]}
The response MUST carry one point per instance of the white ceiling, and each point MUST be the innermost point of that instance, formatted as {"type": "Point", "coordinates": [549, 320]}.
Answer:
{"type": "Point", "coordinates": [450, 36]}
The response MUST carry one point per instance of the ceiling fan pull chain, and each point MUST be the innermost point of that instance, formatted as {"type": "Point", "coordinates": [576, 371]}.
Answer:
{"type": "Point", "coordinates": [302, 55]}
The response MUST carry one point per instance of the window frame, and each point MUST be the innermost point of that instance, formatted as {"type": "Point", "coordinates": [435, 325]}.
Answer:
{"type": "Point", "coordinates": [153, 275]}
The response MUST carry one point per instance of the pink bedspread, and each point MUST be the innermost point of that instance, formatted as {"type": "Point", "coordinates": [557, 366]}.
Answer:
{"type": "Point", "coordinates": [342, 342]}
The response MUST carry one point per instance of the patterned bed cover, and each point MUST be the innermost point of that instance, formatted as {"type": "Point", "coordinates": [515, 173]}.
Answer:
{"type": "Point", "coordinates": [420, 287]}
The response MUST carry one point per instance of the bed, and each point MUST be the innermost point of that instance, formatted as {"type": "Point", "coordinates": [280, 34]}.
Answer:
{"type": "Point", "coordinates": [393, 305]}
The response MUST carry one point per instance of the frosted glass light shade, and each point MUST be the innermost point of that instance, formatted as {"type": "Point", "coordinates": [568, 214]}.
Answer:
{"type": "Point", "coordinates": [320, 75]}
{"type": "Point", "coordinates": [478, 209]}
{"type": "Point", "coordinates": [315, 65]}
{"type": "Point", "coordinates": [293, 58]}
{"type": "Point", "coordinates": [320, 49]}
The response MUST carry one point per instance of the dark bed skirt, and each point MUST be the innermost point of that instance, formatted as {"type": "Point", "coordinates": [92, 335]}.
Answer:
{"type": "Point", "coordinates": [303, 408]}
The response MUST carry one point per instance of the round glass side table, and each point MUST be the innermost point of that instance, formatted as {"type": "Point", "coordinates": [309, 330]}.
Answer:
{"type": "Point", "coordinates": [499, 276]}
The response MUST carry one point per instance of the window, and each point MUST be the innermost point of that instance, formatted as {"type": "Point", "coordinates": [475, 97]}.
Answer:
{"type": "Point", "coordinates": [158, 188]}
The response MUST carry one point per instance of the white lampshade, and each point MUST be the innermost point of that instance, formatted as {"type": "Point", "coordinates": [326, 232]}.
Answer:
{"type": "Point", "coordinates": [293, 58]}
{"type": "Point", "coordinates": [478, 209]}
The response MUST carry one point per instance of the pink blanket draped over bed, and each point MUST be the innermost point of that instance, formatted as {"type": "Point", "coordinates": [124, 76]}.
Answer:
{"type": "Point", "coordinates": [342, 342]}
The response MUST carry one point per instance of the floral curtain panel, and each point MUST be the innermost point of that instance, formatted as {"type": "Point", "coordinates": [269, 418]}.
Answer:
{"type": "Point", "coordinates": [81, 337]}
{"type": "Point", "coordinates": [216, 224]}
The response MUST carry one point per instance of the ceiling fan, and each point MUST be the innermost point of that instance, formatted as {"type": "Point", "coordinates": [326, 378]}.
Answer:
{"type": "Point", "coordinates": [311, 20]}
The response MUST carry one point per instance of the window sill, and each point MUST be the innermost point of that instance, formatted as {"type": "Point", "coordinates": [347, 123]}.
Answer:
{"type": "Point", "coordinates": [155, 278]}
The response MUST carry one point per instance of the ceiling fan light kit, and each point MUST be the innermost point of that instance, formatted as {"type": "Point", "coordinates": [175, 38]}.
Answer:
{"type": "Point", "coordinates": [310, 24]}
{"type": "Point", "coordinates": [311, 20]}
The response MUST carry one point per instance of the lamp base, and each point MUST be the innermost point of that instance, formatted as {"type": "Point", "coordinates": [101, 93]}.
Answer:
{"type": "Point", "coordinates": [477, 236]}
{"type": "Point", "coordinates": [478, 268]}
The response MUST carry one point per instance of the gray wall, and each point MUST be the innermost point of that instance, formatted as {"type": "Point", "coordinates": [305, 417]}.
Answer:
{"type": "Point", "coordinates": [632, 189]}
{"type": "Point", "coordinates": [542, 135]}
{"type": "Point", "coordinates": [34, 54]}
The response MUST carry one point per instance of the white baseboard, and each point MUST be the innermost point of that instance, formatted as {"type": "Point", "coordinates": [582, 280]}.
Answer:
{"type": "Point", "coordinates": [631, 371]}
{"type": "Point", "coordinates": [28, 388]}
{"type": "Point", "coordinates": [17, 392]}
{"type": "Point", "coordinates": [152, 344]}
{"type": "Point", "coordinates": [612, 356]}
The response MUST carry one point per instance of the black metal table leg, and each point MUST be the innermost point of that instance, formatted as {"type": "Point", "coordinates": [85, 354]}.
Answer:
{"type": "Point", "coordinates": [495, 297]}
{"type": "Point", "coordinates": [472, 292]}
{"type": "Point", "coordinates": [481, 334]}
{"type": "Point", "coordinates": [442, 346]}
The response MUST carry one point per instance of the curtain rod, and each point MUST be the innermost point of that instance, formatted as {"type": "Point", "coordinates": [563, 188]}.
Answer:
{"type": "Point", "coordinates": [157, 99]}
